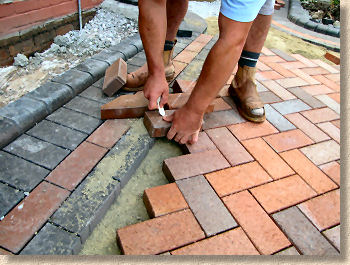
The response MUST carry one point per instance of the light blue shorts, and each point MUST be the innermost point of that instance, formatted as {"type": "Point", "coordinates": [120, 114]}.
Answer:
{"type": "Point", "coordinates": [246, 10]}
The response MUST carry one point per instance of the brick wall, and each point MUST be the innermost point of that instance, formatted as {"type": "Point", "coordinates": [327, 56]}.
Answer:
{"type": "Point", "coordinates": [19, 15]}
{"type": "Point", "coordinates": [28, 26]}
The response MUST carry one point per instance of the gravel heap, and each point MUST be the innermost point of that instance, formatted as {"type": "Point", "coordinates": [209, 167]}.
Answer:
{"type": "Point", "coordinates": [104, 30]}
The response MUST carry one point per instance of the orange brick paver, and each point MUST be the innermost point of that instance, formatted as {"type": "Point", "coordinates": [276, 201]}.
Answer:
{"type": "Point", "coordinates": [163, 200]}
{"type": "Point", "coordinates": [315, 71]}
{"type": "Point", "coordinates": [332, 169]}
{"type": "Point", "coordinates": [248, 130]}
{"type": "Point", "coordinates": [324, 210]}
{"type": "Point", "coordinates": [267, 157]}
{"type": "Point", "coordinates": [263, 232]}
{"type": "Point", "coordinates": [237, 178]}
{"type": "Point", "coordinates": [332, 130]}
{"type": "Point", "coordinates": [331, 84]}
{"type": "Point", "coordinates": [267, 75]}
{"type": "Point", "coordinates": [280, 69]}
{"type": "Point", "coordinates": [233, 242]}
{"type": "Point", "coordinates": [308, 78]}
{"type": "Point", "coordinates": [320, 115]}
{"type": "Point", "coordinates": [282, 193]}
{"type": "Point", "coordinates": [308, 171]}
{"type": "Point", "coordinates": [292, 82]}
{"type": "Point", "coordinates": [317, 90]}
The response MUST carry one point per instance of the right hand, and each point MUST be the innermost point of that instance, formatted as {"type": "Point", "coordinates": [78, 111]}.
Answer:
{"type": "Point", "coordinates": [156, 86]}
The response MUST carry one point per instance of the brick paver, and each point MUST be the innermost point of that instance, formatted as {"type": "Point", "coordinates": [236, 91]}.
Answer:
{"type": "Point", "coordinates": [163, 200]}
{"type": "Point", "coordinates": [292, 82]}
{"type": "Point", "coordinates": [323, 152]}
{"type": "Point", "coordinates": [248, 130]}
{"type": "Point", "coordinates": [308, 78]}
{"type": "Point", "coordinates": [329, 83]}
{"type": "Point", "coordinates": [333, 235]}
{"type": "Point", "coordinates": [203, 144]}
{"type": "Point", "coordinates": [233, 242]}
{"type": "Point", "coordinates": [320, 115]}
{"type": "Point", "coordinates": [160, 234]}
{"type": "Point", "coordinates": [317, 89]}
{"type": "Point", "coordinates": [324, 210]}
{"type": "Point", "coordinates": [308, 171]}
{"type": "Point", "coordinates": [183, 86]}
{"type": "Point", "coordinates": [19, 225]}
{"type": "Point", "coordinates": [263, 232]}
{"type": "Point", "coordinates": [282, 193]}
{"type": "Point", "coordinates": [237, 178]}
{"type": "Point", "coordinates": [332, 169]}
{"type": "Point", "coordinates": [278, 89]}
{"type": "Point", "coordinates": [332, 130]}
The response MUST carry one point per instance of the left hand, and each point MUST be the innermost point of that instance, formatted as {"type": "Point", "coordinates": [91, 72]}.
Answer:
{"type": "Point", "coordinates": [186, 125]}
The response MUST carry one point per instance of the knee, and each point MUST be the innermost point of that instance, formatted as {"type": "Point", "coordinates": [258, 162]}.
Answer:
{"type": "Point", "coordinates": [234, 42]}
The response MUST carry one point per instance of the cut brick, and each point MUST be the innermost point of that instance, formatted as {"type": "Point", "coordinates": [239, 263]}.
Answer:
{"type": "Point", "coordinates": [206, 206]}
{"type": "Point", "coordinates": [203, 144]}
{"type": "Point", "coordinates": [191, 165]}
{"type": "Point", "coordinates": [115, 77]}
{"type": "Point", "coordinates": [233, 242]}
{"type": "Point", "coordinates": [155, 125]}
{"type": "Point", "coordinates": [109, 133]}
{"type": "Point", "coordinates": [329, 102]}
{"type": "Point", "coordinates": [19, 225]}
{"type": "Point", "coordinates": [336, 123]}
{"type": "Point", "coordinates": [288, 140]}
{"type": "Point", "coordinates": [163, 200]}
{"type": "Point", "coordinates": [247, 130]}
{"type": "Point", "coordinates": [125, 106]}
{"type": "Point", "coordinates": [183, 86]}
{"type": "Point", "coordinates": [326, 66]}
{"type": "Point", "coordinates": [269, 160]}
{"type": "Point", "coordinates": [71, 171]}
{"type": "Point", "coordinates": [324, 210]}
{"type": "Point", "coordinates": [278, 90]}
{"type": "Point", "coordinates": [323, 152]}
{"type": "Point", "coordinates": [332, 130]}
{"type": "Point", "coordinates": [334, 77]}
{"type": "Point", "coordinates": [308, 171]}
{"type": "Point", "coordinates": [335, 97]}
{"type": "Point", "coordinates": [261, 230]}
{"type": "Point", "coordinates": [282, 193]}
{"type": "Point", "coordinates": [229, 146]}
{"type": "Point", "coordinates": [303, 234]}
{"type": "Point", "coordinates": [160, 234]}
{"type": "Point", "coordinates": [307, 127]}
{"type": "Point", "coordinates": [320, 115]}
{"type": "Point", "coordinates": [333, 235]}
{"type": "Point", "coordinates": [332, 169]}
{"type": "Point", "coordinates": [234, 179]}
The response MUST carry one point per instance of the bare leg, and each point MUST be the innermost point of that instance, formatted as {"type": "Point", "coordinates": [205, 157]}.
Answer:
{"type": "Point", "coordinates": [258, 33]}
{"type": "Point", "coordinates": [216, 70]}
{"type": "Point", "coordinates": [176, 11]}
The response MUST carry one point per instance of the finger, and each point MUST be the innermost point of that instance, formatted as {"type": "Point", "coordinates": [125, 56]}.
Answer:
{"type": "Point", "coordinates": [152, 104]}
{"type": "Point", "coordinates": [178, 137]}
{"type": "Point", "coordinates": [171, 133]}
{"type": "Point", "coordinates": [164, 98]}
{"type": "Point", "coordinates": [194, 137]}
{"type": "Point", "coordinates": [169, 118]}
{"type": "Point", "coordinates": [184, 139]}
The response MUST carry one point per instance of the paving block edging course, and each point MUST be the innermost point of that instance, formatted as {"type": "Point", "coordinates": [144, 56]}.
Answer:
{"type": "Point", "coordinates": [300, 17]}
{"type": "Point", "coordinates": [22, 114]}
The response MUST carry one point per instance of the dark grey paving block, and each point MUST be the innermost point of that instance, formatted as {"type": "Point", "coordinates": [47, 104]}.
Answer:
{"type": "Point", "coordinates": [221, 118]}
{"type": "Point", "coordinates": [95, 68]}
{"type": "Point", "coordinates": [84, 105]}
{"type": "Point", "coordinates": [98, 83]}
{"type": "Point", "coordinates": [37, 151]}
{"type": "Point", "coordinates": [269, 97]}
{"type": "Point", "coordinates": [125, 48]}
{"type": "Point", "coordinates": [25, 112]}
{"type": "Point", "coordinates": [54, 95]}
{"type": "Point", "coordinates": [8, 131]}
{"type": "Point", "coordinates": [290, 106]}
{"type": "Point", "coordinates": [109, 56]}
{"type": "Point", "coordinates": [9, 197]}
{"type": "Point", "coordinates": [333, 235]}
{"type": "Point", "coordinates": [202, 55]}
{"type": "Point", "coordinates": [52, 240]}
{"type": "Point", "coordinates": [176, 51]}
{"type": "Point", "coordinates": [20, 173]}
{"type": "Point", "coordinates": [81, 208]}
{"type": "Point", "coordinates": [75, 120]}
{"type": "Point", "coordinates": [75, 79]}
{"type": "Point", "coordinates": [95, 93]}
{"type": "Point", "coordinates": [291, 251]}
{"type": "Point", "coordinates": [277, 120]}
{"type": "Point", "coordinates": [141, 55]}
{"type": "Point", "coordinates": [306, 97]}
{"type": "Point", "coordinates": [283, 55]}
{"type": "Point", "coordinates": [181, 45]}
{"type": "Point", "coordinates": [57, 134]}
{"type": "Point", "coordinates": [132, 68]}
{"type": "Point", "coordinates": [210, 44]}
{"type": "Point", "coordinates": [136, 61]}
{"type": "Point", "coordinates": [206, 206]}
{"type": "Point", "coordinates": [302, 233]}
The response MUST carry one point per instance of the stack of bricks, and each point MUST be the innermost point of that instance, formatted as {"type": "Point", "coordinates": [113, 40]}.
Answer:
{"type": "Point", "coordinates": [253, 189]}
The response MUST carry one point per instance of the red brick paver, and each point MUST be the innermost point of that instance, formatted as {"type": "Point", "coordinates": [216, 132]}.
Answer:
{"type": "Point", "coordinates": [160, 234]}
{"type": "Point", "coordinates": [278, 89]}
{"type": "Point", "coordinates": [163, 200]}
{"type": "Point", "coordinates": [329, 83]}
{"type": "Point", "coordinates": [237, 178]}
{"type": "Point", "coordinates": [324, 210]}
{"type": "Point", "coordinates": [203, 144]}
{"type": "Point", "coordinates": [317, 90]}
{"type": "Point", "coordinates": [266, 236]}
{"type": "Point", "coordinates": [248, 130]}
{"type": "Point", "coordinates": [71, 171]}
{"type": "Point", "coordinates": [19, 225]}
{"type": "Point", "coordinates": [320, 115]}
{"type": "Point", "coordinates": [332, 169]}
{"type": "Point", "coordinates": [282, 193]}
{"type": "Point", "coordinates": [332, 130]}
{"type": "Point", "coordinates": [292, 82]}
{"type": "Point", "coordinates": [233, 242]}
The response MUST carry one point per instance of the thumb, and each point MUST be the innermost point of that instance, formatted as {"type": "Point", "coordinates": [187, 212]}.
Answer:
{"type": "Point", "coordinates": [169, 118]}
